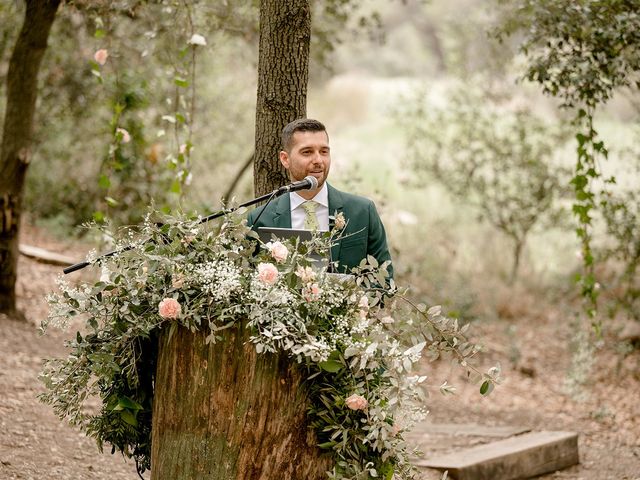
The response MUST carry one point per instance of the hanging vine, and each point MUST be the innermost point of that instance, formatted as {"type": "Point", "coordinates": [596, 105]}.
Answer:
{"type": "Point", "coordinates": [580, 52]}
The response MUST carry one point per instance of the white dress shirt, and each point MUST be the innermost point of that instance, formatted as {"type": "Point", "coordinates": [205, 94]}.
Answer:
{"type": "Point", "coordinates": [298, 213]}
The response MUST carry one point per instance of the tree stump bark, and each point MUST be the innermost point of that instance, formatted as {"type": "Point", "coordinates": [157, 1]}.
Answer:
{"type": "Point", "coordinates": [223, 412]}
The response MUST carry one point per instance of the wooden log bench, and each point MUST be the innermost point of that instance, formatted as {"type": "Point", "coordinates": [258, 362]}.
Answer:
{"type": "Point", "coordinates": [517, 457]}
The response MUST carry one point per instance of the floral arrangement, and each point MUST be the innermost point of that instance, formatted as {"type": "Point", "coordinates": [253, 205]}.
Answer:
{"type": "Point", "coordinates": [358, 338]}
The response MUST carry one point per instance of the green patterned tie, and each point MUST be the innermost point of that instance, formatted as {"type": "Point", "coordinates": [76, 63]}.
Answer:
{"type": "Point", "coordinates": [310, 220]}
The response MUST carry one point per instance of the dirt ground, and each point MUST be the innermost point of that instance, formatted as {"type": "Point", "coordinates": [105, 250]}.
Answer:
{"type": "Point", "coordinates": [533, 395]}
{"type": "Point", "coordinates": [35, 444]}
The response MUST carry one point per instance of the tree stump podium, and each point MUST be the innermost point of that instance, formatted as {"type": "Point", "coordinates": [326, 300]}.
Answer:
{"type": "Point", "coordinates": [223, 412]}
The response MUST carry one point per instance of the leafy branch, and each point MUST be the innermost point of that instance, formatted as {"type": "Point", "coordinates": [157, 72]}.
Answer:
{"type": "Point", "coordinates": [581, 52]}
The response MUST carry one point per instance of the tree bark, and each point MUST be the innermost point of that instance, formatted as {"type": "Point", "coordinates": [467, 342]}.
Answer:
{"type": "Point", "coordinates": [283, 73]}
{"type": "Point", "coordinates": [22, 91]}
{"type": "Point", "coordinates": [223, 412]}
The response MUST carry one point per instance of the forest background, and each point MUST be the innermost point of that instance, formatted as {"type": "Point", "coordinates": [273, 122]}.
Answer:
{"type": "Point", "coordinates": [472, 167]}
{"type": "Point", "coordinates": [429, 110]}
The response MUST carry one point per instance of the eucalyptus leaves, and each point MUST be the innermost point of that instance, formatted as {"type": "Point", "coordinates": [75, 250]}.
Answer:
{"type": "Point", "coordinates": [358, 343]}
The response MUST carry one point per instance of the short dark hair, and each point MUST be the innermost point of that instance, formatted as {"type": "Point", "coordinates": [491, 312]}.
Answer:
{"type": "Point", "coordinates": [300, 125]}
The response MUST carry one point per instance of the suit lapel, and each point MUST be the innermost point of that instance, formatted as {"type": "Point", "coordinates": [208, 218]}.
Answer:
{"type": "Point", "coordinates": [336, 205]}
{"type": "Point", "coordinates": [282, 215]}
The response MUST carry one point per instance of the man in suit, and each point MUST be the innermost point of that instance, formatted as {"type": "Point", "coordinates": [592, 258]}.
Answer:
{"type": "Point", "coordinates": [306, 151]}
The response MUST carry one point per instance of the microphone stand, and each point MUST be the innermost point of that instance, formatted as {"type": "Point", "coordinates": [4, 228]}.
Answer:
{"type": "Point", "coordinates": [269, 197]}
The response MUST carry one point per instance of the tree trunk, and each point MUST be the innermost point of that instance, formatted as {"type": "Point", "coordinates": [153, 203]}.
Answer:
{"type": "Point", "coordinates": [517, 253]}
{"type": "Point", "coordinates": [283, 72]}
{"type": "Point", "coordinates": [223, 412]}
{"type": "Point", "coordinates": [22, 90]}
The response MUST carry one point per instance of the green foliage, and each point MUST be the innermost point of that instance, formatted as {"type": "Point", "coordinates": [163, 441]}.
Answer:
{"type": "Point", "coordinates": [589, 149]}
{"type": "Point", "coordinates": [621, 213]}
{"type": "Point", "coordinates": [187, 108]}
{"type": "Point", "coordinates": [358, 345]}
{"type": "Point", "coordinates": [81, 166]}
{"type": "Point", "coordinates": [337, 21]}
{"type": "Point", "coordinates": [500, 160]}
{"type": "Point", "coordinates": [147, 86]}
{"type": "Point", "coordinates": [580, 52]}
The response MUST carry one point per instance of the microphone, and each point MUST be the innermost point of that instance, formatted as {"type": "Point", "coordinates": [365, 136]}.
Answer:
{"type": "Point", "coordinates": [309, 183]}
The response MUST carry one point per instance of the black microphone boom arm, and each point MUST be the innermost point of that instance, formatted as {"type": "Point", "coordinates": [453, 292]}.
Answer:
{"type": "Point", "coordinates": [269, 196]}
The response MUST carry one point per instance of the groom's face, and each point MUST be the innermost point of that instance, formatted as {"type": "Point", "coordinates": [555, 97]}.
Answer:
{"type": "Point", "coordinates": [309, 155]}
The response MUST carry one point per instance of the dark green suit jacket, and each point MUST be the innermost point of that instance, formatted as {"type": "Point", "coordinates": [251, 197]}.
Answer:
{"type": "Point", "coordinates": [364, 233]}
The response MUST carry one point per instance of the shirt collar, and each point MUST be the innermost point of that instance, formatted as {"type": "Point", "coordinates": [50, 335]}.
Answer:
{"type": "Point", "coordinates": [322, 197]}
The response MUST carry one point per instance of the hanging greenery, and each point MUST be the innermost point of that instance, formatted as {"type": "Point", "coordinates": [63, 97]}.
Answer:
{"type": "Point", "coordinates": [581, 52]}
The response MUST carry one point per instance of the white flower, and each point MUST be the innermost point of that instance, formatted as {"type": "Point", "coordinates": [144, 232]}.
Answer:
{"type": "Point", "coordinates": [387, 320]}
{"type": "Point", "coordinates": [220, 279]}
{"type": "Point", "coordinates": [340, 221]}
{"type": "Point", "coordinates": [197, 40]}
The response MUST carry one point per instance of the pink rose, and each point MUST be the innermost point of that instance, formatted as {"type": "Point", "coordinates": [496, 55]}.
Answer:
{"type": "Point", "coordinates": [126, 138]}
{"type": "Point", "coordinates": [101, 56]}
{"type": "Point", "coordinates": [169, 308]}
{"type": "Point", "coordinates": [267, 273]}
{"type": "Point", "coordinates": [311, 292]}
{"type": "Point", "coordinates": [306, 274]}
{"type": "Point", "coordinates": [278, 251]}
{"type": "Point", "coordinates": [356, 402]}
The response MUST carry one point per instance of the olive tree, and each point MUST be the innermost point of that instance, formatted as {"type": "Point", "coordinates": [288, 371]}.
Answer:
{"type": "Point", "coordinates": [500, 161]}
